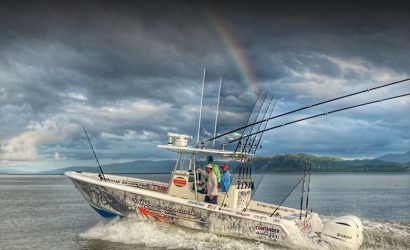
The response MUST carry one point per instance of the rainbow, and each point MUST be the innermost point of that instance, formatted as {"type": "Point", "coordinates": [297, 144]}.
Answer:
{"type": "Point", "coordinates": [236, 51]}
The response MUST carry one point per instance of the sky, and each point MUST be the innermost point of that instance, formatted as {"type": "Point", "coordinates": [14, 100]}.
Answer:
{"type": "Point", "coordinates": [132, 71]}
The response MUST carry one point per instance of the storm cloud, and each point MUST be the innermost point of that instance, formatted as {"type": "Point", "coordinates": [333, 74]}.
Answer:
{"type": "Point", "coordinates": [131, 71]}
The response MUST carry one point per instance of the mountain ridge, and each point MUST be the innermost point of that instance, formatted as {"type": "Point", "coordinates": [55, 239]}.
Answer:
{"type": "Point", "coordinates": [294, 162]}
{"type": "Point", "coordinates": [399, 158]}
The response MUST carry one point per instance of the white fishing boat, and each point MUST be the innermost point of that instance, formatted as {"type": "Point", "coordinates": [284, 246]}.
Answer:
{"type": "Point", "coordinates": [235, 214]}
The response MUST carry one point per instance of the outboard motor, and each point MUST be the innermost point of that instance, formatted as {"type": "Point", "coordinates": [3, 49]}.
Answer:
{"type": "Point", "coordinates": [345, 231]}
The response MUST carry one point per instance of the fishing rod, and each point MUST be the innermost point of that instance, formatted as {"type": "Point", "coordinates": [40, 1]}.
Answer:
{"type": "Point", "coordinates": [239, 176]}
{"type": "Point", "coordinates": [236, 171]}
{"type": "Point", "coordinates": [251, 143]}
{"type": "Point", "coordinates": [245, 174]}
{"type": "Point", "coordinates": [322, 114]}
{"type": "Point", "coordinates": [254, 146]}
{"type": "Point", "coordinates": [308, 106]}
{"type": "Point", "coordinates": [251, 129]}
{"type": "Point", "coordinates": [286, 197]}
{"type": "Point", "coordinates": [227, 191]}
{"type": "Point", "coordinates": [256, 189]}
{"type": "Point", "coordinates": [303, 191]}
{"type": "Point", "coordinates": [245, 178]}
{"type": "Point", "coordinates": [251, 184]}
{"type": "Point", "coordinates": [264, 127]}
{"type": "Point", "coordinates": [308, 189]}
{"type": "Point", "coordinates": [95, 155]}
{"type": "Point", "coordinates": [249, 118]}
{"type": "Point", "coordinates": [249, 181]}
{"type": "Point", "coordinates": [260, 125]}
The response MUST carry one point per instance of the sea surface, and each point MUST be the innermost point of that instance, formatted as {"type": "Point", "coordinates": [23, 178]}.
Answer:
{"type": "Point", "coordinates": [47, 212]}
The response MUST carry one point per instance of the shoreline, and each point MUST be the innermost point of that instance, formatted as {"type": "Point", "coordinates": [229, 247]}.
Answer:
{"type": "Point", "coordinates": [279, 172]}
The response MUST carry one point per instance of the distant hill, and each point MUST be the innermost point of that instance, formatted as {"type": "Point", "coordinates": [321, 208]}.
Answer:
{"type": "Point", "coordinates": [292, 162]}
{"type": "Point", "coordinates": [143, 166]}
{"type": "Point", "coordinates": [400, 158]}
{"type": "Point", "coordinates": [297, 162]}
{"type": "Point", "coordinates": [277, 163]}
{"type": "Point", "coordinates": [14, 171]}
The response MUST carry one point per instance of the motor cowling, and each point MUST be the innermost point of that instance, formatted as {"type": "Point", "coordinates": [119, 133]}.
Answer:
{"type": "Point", "coordinates": [346, 231]}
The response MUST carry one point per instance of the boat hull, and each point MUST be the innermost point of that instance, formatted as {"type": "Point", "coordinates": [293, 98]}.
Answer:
{"type": "Point", "coordinates": [113, 199]}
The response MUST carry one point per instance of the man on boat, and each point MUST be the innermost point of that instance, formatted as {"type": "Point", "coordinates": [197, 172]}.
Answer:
{"type": "Point", "coordinates": [215, 169]}
{"type": "Point", "coordinates": [211, 184]}
{"type": "Point", "coordinates": [226, 178]}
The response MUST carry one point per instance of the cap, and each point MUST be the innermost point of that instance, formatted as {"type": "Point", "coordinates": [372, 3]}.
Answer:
{"type": "Point", "coordinates": [209, 166]}
{"type": "Point", "coordinates": [210, 158]}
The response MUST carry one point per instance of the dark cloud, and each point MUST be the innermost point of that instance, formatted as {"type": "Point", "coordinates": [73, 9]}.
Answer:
{"type": "Point", "coordinates": [130, 71]}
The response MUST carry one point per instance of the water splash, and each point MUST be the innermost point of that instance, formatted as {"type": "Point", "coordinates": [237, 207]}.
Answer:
{"type": "Point", "coordinates": [386, 235]}
{"type": "Point", "coordinates": [165, 236]}
{"type": "Point", "coordinates": [377, 235]}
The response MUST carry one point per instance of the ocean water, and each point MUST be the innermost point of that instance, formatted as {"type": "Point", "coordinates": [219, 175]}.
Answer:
{"type": "Point", "coordinates": [47, 212]}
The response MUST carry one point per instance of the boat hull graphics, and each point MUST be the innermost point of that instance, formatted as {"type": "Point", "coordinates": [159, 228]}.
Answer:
{"type": "Point", "coordinates": [104, 213]}
{"type": "Point", "coordinates": [115, 199]}
{"type": "Point", "coordinates": [193, 214]}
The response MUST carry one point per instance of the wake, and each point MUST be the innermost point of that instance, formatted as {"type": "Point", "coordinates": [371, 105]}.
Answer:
{"type": "Point", "coordinates": [377, 235]}
{"type": "Point", "coordinates": [165, 236]}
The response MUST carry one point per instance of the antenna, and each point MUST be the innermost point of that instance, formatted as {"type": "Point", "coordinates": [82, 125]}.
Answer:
{"type": "Point", "coordinates": [95, 155]}
{"type": "Point", "coordinates": [200, 108]}
{"type": "Point", "coordinates": [217, 110]}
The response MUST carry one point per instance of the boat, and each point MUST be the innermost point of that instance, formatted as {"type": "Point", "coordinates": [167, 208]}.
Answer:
{"type": "Point", "coordinates": [235, 214]}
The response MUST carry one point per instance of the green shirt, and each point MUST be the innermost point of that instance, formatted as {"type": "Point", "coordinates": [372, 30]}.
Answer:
{"type": "Point", "coordinates": [217, 172]}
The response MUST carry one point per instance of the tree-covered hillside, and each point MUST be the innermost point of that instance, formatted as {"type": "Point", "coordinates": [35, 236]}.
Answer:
{"type": "Point", "coordinates": [297, 162]}
{"type": "Point", "coordinates": [277, 163]}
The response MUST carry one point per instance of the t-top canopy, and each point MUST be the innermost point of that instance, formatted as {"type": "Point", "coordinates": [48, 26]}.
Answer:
{"type": "Point", "coordinates": [207, 151]}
